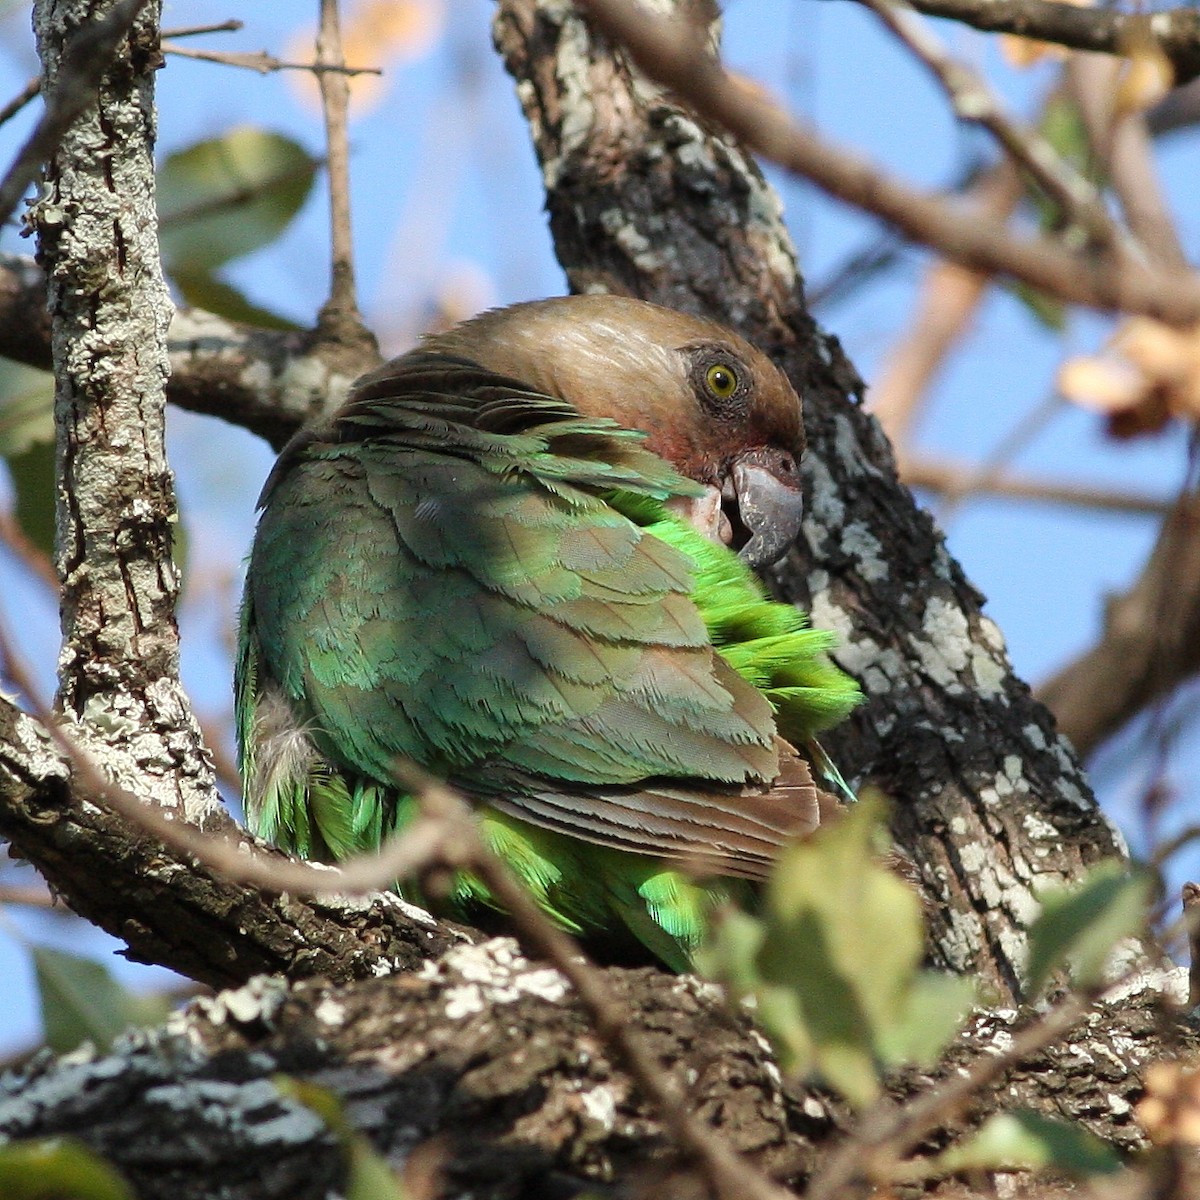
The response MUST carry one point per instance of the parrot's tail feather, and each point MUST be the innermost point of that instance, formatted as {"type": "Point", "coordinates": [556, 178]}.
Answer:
{"type": "Point", "coordinates": [828, 771]}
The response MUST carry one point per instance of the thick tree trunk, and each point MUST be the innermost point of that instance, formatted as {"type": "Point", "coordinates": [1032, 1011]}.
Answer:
{"type": "Point", "coordinates": [989, 801]}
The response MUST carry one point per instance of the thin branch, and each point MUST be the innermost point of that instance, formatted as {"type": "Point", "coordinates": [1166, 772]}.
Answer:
{"type": "Point", "coordinates": [87, 56]}
{"type": "Point", "coordinates": [974, 101]}
{"type": "Point", "coordinates": [339, 318]}
{"type": "Point", "coordinates": [233, 25]}
{"type": "Point", "coordinates": [1150, 642]}
{"type": "Point", "coordinates": [1105, 30]}
{"type": "Point", "coordinates": [957, 480]}
{"type": "Point", "coordinates": [15, 669]}
{"type": "Point", "coordinates": [36, 560]}
{"type": "Point", "coordinates": [669, 51]}
{"type": "Point", "coordinates": [32, 896]}
{"type": "Point", "coordinates": [264, 63]}
{"type": "Point", "coordinates": [31, 90]}
{"type": "Point", "coordinates": [949, 297]}
{"type": "Point", "coordinates": [1122, 144]}
{"type": "Point", "coordinates": [890, 1131]}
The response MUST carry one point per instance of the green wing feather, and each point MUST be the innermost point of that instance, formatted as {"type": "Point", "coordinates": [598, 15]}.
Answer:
{"type": "Point", "coordinates": [494, 591]}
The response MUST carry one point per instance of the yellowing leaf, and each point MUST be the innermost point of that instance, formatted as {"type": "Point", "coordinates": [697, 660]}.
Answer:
{"type": "Point", "coordinates": [1170, 1110]}
{"type": "Point", "coordinates": [1106, 384]}
{"type": "Point", "coordinates": [1149, 74]}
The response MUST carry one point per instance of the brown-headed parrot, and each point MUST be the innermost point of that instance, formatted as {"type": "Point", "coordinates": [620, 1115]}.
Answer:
{"type": "Point", "coordinates": [519, 557]}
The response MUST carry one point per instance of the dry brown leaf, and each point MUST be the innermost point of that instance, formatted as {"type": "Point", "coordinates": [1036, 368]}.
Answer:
{"type": "Point", "coordinates": [1170, 1109]}
{"type": "Point", "coordinates": [1148, 373]}
{"type": "Point", "coordinates": [375, 33]}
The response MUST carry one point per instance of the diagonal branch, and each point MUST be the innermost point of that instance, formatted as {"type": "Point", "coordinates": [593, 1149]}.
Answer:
{"type": "Point", "coordinates": [1150, 642]}
{"type": "Point", "coordinates": [671, 52]}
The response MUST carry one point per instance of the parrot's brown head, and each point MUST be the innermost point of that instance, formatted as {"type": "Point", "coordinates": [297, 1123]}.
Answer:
{"type": "Point", "coordinates": [710, 403]}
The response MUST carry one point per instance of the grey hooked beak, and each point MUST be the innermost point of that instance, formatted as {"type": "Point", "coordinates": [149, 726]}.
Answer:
{"type": "Point", "coordinates": [769, 507]}
{"type": "Point", "coordinates": [758, 508]}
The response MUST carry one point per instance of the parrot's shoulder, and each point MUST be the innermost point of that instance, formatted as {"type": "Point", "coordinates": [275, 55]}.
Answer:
{"type": "Point", "coordinates": [438, 405]}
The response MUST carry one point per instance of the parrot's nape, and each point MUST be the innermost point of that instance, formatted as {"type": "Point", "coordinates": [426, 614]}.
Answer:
{"type": "Point", "coordinates": [519, 557]}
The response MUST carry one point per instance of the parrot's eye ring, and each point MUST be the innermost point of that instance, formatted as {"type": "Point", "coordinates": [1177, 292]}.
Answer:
{"type": "Point", "coordinates": [721, 380]}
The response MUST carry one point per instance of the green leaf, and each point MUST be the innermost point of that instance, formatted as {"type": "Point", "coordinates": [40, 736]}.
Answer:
{"type": "Point", "coordinates": [26, 408]}
{"type": "Point", "coordinates": [32, 473]}
{"type": "Point", "coordinates": [82, 1001]}
{"type": "Point", "coordinates": [1047, 310]}
{"type": "Point", "coordinates": [1081, 926]}
{"type": "Point", "coordinates": [832, 963]}
{"type": "Point", "coordinates": [933, 1012]}
{"type": "Point", "coordinates": [1026, 1140]}
{"type": "Point", "coordinates": [58, 1169]}
{"type": "Point", "coordinates": [214, 295]}
{"type": "Point", "coordinates": [228, 196]}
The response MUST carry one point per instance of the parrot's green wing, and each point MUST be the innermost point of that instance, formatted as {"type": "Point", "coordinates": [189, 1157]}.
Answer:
{"type": "Point", "coordinates": [487, 587]}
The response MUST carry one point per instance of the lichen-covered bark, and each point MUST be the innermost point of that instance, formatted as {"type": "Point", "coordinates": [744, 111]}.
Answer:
{"type": "Point", "coordinates": [171, 911]}
{"type": "Point", "coordinates": [485, 1062]}
{"type": "Point", "coordinates": [97, 240]}
{"type": "Point", "coordinates": [989, 802]}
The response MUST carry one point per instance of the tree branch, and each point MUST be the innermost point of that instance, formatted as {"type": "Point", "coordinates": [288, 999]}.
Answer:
{"type": "Point", "coordinates": [947, 732]}
{"type": "Point", "coordinates": [1104, 30]}
{"type": "Point", "coordinates": [669, 52]}
{"type": "Point", "coordinates": [1150, 642]}
{"type": "Point", "coordinates": [171, 910]}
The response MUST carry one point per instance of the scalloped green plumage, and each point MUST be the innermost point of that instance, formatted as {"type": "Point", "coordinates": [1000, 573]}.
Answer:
{"type": "Point", "coordinates": [496, 591]}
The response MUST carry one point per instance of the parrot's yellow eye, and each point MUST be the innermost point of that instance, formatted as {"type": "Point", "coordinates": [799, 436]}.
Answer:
{"type": "Point", "coordinates": [722, 380]}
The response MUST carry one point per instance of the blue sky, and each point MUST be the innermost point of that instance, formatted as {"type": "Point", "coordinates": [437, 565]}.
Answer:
{"type": "Point", "coordinates": [445, 187]}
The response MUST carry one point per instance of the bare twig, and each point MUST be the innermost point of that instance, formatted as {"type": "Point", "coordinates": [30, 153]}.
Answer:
{"type": "Point", "coordinates": [339, 318]}
{"type": "Point", "coordinates": [670, 51]}
{"type": "Point", "coordinates": [31, 90]}
{"type": "Point", "coordinates": [975, 101]}
{"type": "Point", "coordinates": [36, 560]}
{"type": "Point", "coordinates": [31, 897]}
{"type": "Point", "coordinates": [957, 480]}
{"type": "Point", "coordinates": [233, 25]}
{"type": "Point", "coordinates": [262, 62]}
{"type": "Point", "coordinates": [235, 858]}
{"type": "Point", "coordinates": [890, 1131]}
{"type": "Point", "coordinates": [15, 670]}
{"type": "Point", "coordinates": [86, 58]}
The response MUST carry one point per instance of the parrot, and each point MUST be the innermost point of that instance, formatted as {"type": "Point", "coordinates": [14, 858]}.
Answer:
{"type": "Point", "coordinates": [521, 557]}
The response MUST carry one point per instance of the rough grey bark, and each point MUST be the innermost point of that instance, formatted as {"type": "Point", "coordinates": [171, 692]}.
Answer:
{"type": "Point", "coordinates": [109, 308]}
{"type": "Point", "coordinates": [484, 1062]}
{"type": "Point", "coordinates": [989, 802]}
